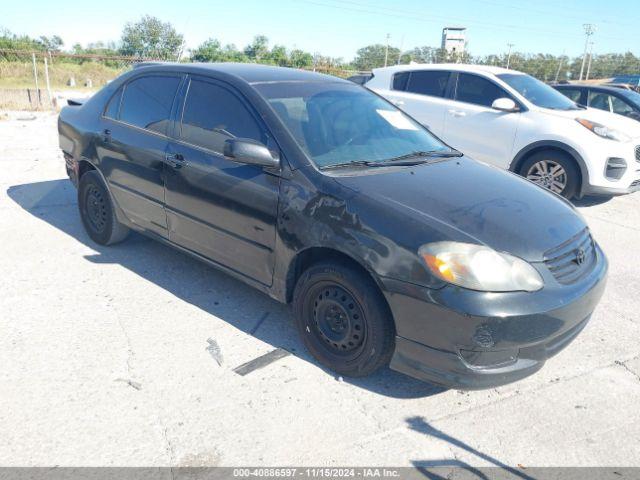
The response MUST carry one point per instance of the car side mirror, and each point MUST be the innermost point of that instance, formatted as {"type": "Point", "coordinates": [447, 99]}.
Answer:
{"type": "Point", "coordinates": [505, 105]}
{"type": "Point", "coordinates": [246, 150]}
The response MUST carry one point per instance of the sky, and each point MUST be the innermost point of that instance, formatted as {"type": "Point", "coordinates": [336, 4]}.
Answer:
{"type": "Point", "coordinates": [337, 28]}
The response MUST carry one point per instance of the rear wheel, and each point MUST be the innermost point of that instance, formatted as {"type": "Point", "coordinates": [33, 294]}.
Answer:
{"type": "Point", "coordinates": [97, 211]}
{"type": "Point", "coordinates": [554, 171]}
{"type": "Point", "coordinates": [343, 319]}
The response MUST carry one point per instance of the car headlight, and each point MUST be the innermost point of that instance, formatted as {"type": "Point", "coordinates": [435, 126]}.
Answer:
{"type": "Point", "coordinates": [479, 268]}
{"type": "Point", "coordinates": [603, 131]}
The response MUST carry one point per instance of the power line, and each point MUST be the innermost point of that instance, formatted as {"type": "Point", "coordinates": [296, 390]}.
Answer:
{"type": "Point", "coordinates": [564, 16]}
{"type": "Point", "coordinates": [435, 19]}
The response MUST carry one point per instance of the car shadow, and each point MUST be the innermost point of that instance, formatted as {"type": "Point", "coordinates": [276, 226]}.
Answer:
{"type": "Point", "coordinates": [191, 281]}
{"type": "Point", "coordinates": [442, 469]}
{"type": "Point", "coordinates": [591, 201]}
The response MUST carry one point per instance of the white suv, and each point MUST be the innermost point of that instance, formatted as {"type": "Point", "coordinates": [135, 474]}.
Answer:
{"type": "Point", "coordinates": [511, 120]}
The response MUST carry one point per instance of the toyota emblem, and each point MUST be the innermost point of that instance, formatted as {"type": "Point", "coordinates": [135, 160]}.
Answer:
{"type": "Point", "coordinates": [580, 256]}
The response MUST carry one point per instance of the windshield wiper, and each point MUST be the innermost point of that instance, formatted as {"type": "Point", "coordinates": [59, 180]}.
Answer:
{"type": "Point", "coordinates": [423, 154]}
{"type": "Point", "coordinates": [358, 163]}
{"type": "Point", "coordinates": [408, 159]}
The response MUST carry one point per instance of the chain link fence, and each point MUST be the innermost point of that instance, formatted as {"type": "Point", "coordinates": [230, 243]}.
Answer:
{"type": "Point", "coordinates": [39, 80]}
{"type": "Point", "coordinates": [45, 80]}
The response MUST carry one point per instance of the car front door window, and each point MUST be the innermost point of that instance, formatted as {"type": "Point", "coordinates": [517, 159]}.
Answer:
{"type": "Point", "coordinates": [621, 107]}
{"type": "Point", "coordinates": [213, 114]}
{"type": "Point", "coordinates": [477, 90]}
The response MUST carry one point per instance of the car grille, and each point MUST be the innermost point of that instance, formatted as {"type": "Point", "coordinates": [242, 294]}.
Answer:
{"type": "Point", "coordinates": [571, 260]}
{"type": "Point", "coordinates": [638, 153]}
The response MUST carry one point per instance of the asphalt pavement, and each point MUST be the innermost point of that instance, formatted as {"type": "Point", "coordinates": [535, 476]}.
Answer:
{"type": "Point", "coordinates": [137, 354]}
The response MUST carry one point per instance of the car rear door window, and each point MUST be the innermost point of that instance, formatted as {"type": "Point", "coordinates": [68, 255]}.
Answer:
{"type": "Point", "coordinates": [477, 90]}
{"type": "Point", "coordinates": [428, 82]}
{"type": "Point", "coordinates": [572, 94]}
{"type": "Point", "coordinates": [599, 100]}
{"type": "Point", "coordinates": [147, 101]}
{"type": "Point", "coordinates": [212, 114]}
{"type": "Point", "coordinates": [400, 81]}
{"type": "Point", "coordinates": [114, 105]}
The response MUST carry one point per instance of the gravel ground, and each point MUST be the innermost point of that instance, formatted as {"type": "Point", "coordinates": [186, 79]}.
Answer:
{"type": "Point", "coordinates": [125, 356]}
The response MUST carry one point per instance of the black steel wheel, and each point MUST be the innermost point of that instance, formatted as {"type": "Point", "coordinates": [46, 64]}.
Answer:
{"type": "Point", "coordinates": [337, 318]}
{"type": "Point", "coordinates": [97, 212]}
{"type": "Point", "coordinates": [343, 319]}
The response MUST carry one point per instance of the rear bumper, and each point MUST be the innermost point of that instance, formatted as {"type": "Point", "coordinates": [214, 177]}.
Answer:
{"type": "Point", "coordinates": [72, 168]}
{"type": "Point", "coordinates": [488, 339]}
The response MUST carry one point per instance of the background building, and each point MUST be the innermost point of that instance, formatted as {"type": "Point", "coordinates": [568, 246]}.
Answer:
{"type": "Point", "coordinates": [454, 39]}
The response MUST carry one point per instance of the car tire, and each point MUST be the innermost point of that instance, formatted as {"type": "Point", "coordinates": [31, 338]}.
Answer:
{"type": "Point", "coordinates": [540, 167]}
{"type": "Point", "coordinates": [343, 319]}
{"type": "Point", "coordinates": [97, 211]}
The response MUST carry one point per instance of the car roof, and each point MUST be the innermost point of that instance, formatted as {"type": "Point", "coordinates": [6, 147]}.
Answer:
{"type": "Point", "coordinates": [583, 86]}
{"type": "Point", "coordinates": [249, 72]}
{"type": "Point", "coordinates": [458, 67]}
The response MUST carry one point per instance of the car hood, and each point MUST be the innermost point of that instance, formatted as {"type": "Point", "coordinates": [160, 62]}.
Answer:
{"type": "Point", "coordinates": [612, 120]}
{"type": "Point", "coordinates": [473, 202]}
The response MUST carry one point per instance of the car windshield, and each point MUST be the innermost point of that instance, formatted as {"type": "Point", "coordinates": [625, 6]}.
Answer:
{"type": "Point", "coordinates": [628, 79]}
{"type": "Point", "coordinates": [536, 92]}
{"type": "Point", "coordinates": [346, 125]}
{"type": "Point", "coordinates": [633, 97]}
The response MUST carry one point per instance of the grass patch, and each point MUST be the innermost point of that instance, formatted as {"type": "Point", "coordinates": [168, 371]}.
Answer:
{"type": "Point", "coordinates": [19, 74]}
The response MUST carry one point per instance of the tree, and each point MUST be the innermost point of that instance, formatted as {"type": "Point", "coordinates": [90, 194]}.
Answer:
{"type": "Point", "coordinates": [278, 56]}
{"type": "Point", "coordinates": [258, 49]}
{"type": "Point", "coordinates": [424, 54]}
{"type": "Point", "coordinates": [300, 59]}
{"type": "Point", "coordinates": [209, 51]}
{"type": "Point", "coordinates": [150, 37]}
{"type": "Point", "coordinates": [51, 44]}
{"type": "Point", "coordinates": [212, 50]}
{"type": "Point", "coordinates": [372, 56]}
{"type": "Point", "coordinates": [11, 41]}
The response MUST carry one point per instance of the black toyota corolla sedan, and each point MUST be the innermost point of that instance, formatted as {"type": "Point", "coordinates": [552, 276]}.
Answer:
{"type": "Point", "coordinates": [391, 246]}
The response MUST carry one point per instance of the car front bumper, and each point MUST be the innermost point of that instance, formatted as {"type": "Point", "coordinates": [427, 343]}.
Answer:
{"type": "Point", "coordinates": [611, 191]}
{"type": "Point", "coordinates": [601, 180]}
{"type": "Point", "coordinates": [470, 340]}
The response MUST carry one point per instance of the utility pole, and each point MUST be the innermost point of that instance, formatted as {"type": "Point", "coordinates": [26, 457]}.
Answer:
{"type": "Point", "coordinates": [46, 78]}
{"type": "Point", "coordinates": [559, 66]}
{"type": "Point", "coordinates": [589, 29]}
{"type": "Point", "coordinates": [510, 45]}
{"type": "Point", "coordinates": [590, 58]}
{"type": "Point", "coordinates": [35, 77]}
{"type": "Point", "coordinates": [400, 52]}
{"type": "Point", "coordinates": [386, 51]}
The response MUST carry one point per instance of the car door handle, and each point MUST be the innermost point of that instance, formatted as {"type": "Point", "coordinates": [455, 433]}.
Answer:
{"type": "Point", "coordinates": [175, 160]}
{"type": "Point", "coordinates": [106, 135]}
{"type": "Point", "coordinates": [457, 113]}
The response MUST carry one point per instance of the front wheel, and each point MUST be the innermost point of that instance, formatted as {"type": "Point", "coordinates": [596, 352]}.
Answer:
{"type": "Point", "coordinates": [554, 171]}
{"type": "Point", "coordinates": [343, 319]}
